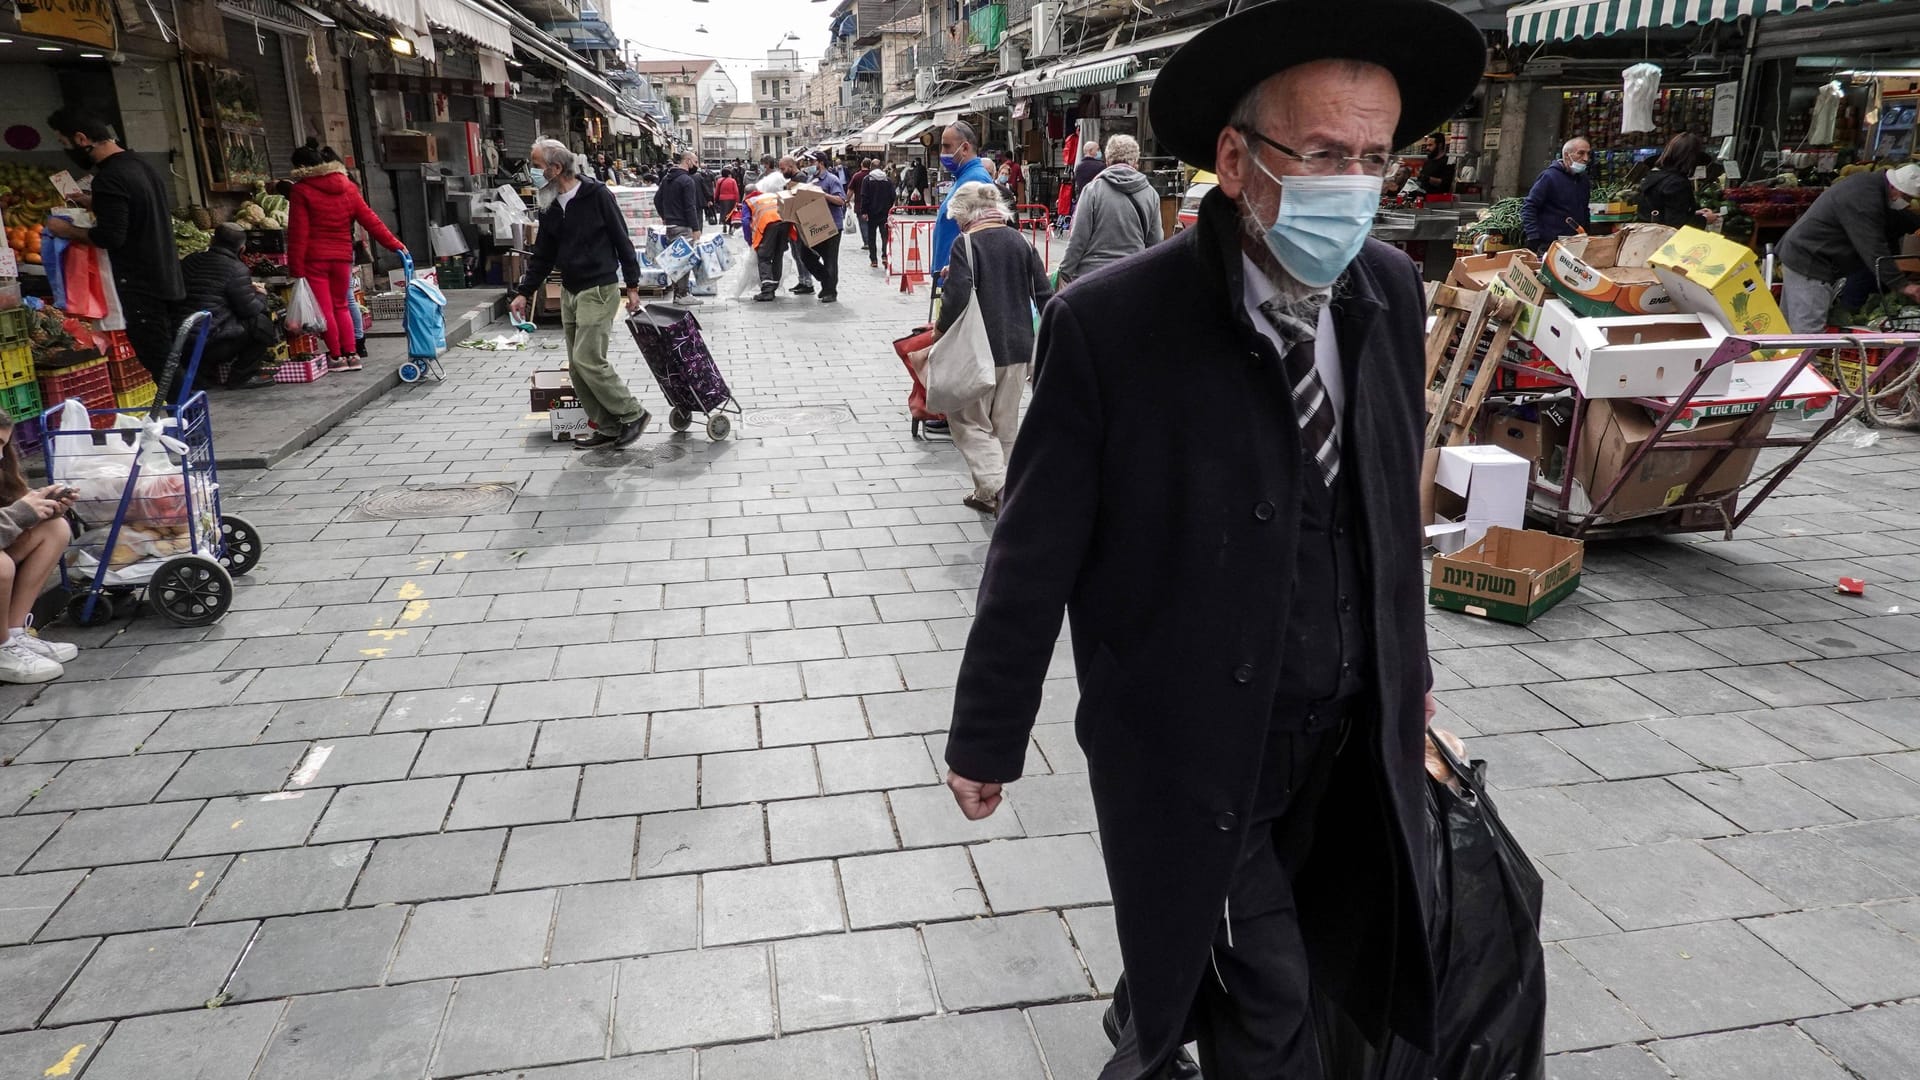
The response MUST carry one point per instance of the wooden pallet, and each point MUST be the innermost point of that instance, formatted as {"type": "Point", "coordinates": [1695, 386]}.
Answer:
{"type": "Point", "coordinates": [1485, 324]}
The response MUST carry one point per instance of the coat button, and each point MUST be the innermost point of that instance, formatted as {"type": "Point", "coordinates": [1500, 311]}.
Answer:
{"type": "Point", "coordinates": [1243, 674]}
{"type": "Point", "coordinates": [1225, 822]}
{"type": "Point", "coordinates": [1263, 511]}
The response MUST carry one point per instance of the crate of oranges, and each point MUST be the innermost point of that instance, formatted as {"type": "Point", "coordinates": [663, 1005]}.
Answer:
{"type": "Point", "coordinates": [25, 242]}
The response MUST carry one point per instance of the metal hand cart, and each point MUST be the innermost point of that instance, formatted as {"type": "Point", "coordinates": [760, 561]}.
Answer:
{"type": "Point", "coordinates": [183, 552]}
{"type": "Point", "coordinates": [1691, 509]}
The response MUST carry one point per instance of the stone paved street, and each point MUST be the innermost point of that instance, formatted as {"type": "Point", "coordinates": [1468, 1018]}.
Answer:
{"type": "Point", "coordinates": [634, 770]}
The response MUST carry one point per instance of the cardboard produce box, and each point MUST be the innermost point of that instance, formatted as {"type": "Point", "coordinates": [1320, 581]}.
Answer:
{"type": "Point", "coordinates": [545, 388]}
{"type": "Point", "coordinates": [806, 206]}
{"type": "Point", "coordinates": [1472, 489]}
{"type": "Point", "coordinates": [1808, 397]}
{"type": "Point", "coordinates": [1708, 274]}
{"type": "Point", "coordinates": [1511, 575]}
{"type": "Point", "coordinates": [1537, 435]}
{"type": "Point", "coordinates": [1609, 275]}
{"type": "Point", "coordinates": [1632, 356]}
{"type": "Point", "coordinates": [1526, 321]}
{"type": "Point", "coordinates": [1475, 272]}
{"type": "Point", "coordinates": [408, 148]}
{"type": "Point", "coordinates": [567, 418]}
{"type": "Point", "coordinates": [1613, 430]}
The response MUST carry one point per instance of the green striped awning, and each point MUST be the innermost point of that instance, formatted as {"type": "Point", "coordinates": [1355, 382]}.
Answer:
{"type": "Point", "coordinates": [1566, 20]}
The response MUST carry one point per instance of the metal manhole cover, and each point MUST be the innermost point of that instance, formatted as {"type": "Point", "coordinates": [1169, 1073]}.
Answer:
{"type": "Point", "coordinates": [640, 457]}
{"type": "Point", "coordinates": [432, 501]}
{"type": "Point", "coordinates": [801, 419]}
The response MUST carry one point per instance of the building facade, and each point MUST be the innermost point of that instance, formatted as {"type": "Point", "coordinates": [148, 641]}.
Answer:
{"type": "Point", "coordinates": [779, 100]}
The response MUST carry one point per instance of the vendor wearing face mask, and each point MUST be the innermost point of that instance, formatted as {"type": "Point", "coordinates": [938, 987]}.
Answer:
{"type": "Point", "coordinates": [129, 202]}
{"type": "Point", "coordinates": [1556, 206]}
{"type": "Point", "coordinates": [960, 157]}
{"type": "Point", "coordinates": [1845, 232]}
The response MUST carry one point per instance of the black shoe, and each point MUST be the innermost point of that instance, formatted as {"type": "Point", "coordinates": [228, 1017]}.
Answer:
{"type": "Point", "coordinates": [630, 432]}
{"type": "Point", "coordinates": [1183, 1067]}
{"type": "Point", "coordinates": [801, 289]}
{"type": "Point", "coordinates": [935, 425]}
{"type": "Point", "coordinates": [828, 298]}
{"type": "Point", "coordinates": [258, 382]}
{"type": "Point", "coordinates": [594, 441]}
{"type": "Point", "coordinates": [764, 298]}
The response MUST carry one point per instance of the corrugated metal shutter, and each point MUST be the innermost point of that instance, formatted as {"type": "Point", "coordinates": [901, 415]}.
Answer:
{"type": "Point", "coordinates": [269, 72]}
{"type": "Point", "coordinates": [517, 128]}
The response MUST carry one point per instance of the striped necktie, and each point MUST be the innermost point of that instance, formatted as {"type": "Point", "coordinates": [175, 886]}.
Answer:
{"type": "Point", "coordinates": [1312, 405]}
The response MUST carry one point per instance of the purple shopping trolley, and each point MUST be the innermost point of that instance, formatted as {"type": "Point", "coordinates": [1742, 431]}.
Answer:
{"type": "Point", "coordinates": [669, 337]}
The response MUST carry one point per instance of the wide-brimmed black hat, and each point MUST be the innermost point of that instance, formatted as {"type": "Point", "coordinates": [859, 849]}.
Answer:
{"type": "Point", "coordinates": [1434, 53]}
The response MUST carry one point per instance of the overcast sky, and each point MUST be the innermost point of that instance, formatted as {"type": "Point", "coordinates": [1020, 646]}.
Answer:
{"type": "Point", "coordinates": [739, 32]}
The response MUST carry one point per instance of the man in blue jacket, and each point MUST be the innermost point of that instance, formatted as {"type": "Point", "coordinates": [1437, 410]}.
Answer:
{"type": "Point", "coordinates": [959, 155]}
{"type": "Point", "coordinates": [1557, 204]}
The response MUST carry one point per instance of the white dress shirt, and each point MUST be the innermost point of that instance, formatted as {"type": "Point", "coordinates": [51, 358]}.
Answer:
{"type": "Point", "coordinates": [1326, 347]}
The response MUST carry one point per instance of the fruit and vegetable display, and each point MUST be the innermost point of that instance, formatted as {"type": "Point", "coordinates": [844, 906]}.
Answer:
{"type": "Point", "coordinates": [188, 238]}
{"type": "Point", "coordinates": [25, 197]}
{"type": "Point", "coordinates": [1502, 218]}
{"type": "Point", "coordinates": [262, 211]}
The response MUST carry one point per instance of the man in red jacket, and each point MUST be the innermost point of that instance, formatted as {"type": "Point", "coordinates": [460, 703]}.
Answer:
{"type": "Point", "coordinates": [321, 211]}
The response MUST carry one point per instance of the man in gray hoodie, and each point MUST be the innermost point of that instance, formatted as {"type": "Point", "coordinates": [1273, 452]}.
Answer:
{"type": "Point", "coordinates": [1117, 216]}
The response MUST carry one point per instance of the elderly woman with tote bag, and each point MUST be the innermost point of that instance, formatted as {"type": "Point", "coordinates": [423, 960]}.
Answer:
{"type": "Point", "coordinates": [994, 282]}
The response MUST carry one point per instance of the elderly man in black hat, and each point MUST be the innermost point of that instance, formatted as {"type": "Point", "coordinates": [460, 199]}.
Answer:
{"type": "Point", "coordinates": [1218, 479]}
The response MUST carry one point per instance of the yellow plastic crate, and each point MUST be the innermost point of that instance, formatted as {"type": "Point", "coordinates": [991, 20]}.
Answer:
{"type": "Point", "coordinates": [137, 398]}
{"type": "Point", "coordinates": [16, 365]}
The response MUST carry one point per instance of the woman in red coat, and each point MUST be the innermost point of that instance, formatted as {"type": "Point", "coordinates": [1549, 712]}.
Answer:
{"type": "Point", "coordinates": [321, 211]}
{"type": "Point", "coordinates": [726, 194]}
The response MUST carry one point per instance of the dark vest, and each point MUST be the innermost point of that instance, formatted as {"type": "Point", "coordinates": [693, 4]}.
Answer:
{"type": "Point", "coordinates": [1326, 653]}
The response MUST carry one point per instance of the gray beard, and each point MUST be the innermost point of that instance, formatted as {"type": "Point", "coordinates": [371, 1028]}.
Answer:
{"type": "Point", "coordinates": [1297, 300]}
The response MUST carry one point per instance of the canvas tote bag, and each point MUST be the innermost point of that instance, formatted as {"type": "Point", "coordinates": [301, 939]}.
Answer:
{"type": "Point", "coordinates": [960, 364]}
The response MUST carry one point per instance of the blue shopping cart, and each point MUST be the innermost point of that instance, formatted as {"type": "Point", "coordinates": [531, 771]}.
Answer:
{"type": "Point", "coordinates": [426, 322]}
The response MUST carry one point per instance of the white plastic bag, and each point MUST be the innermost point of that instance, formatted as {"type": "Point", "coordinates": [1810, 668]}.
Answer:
{"type": "Point", "coordinates": [303, 310]}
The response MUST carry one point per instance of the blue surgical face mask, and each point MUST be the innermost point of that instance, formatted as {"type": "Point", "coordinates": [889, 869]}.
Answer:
{"type": "Point", "coordinates": [948, 163]}
{"type": "Point", "coordinates": [1322, 223]}
{"type": "Point", "coordinates": [1576, 167]}
{"type": "Point", "coordinates": [539, 179]}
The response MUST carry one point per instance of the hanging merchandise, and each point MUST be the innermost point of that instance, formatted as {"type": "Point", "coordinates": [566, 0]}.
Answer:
{"type": "Point", "coordinates": [1826, 109]}
{"type": "Point", "coordinates": [1641, 85]}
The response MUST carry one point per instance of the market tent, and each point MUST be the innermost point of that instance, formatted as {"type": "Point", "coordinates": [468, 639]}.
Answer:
{"type": "Point", "coordinates": [1568, 20]}
{"type": "Point", "coordinates": [473, 23]}
{"type": "Point", "coordinates": [1092, 72]}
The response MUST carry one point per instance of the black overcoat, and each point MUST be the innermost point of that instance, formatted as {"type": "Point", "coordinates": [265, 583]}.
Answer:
{"type": "Point", "coordinates": [1153, 495]}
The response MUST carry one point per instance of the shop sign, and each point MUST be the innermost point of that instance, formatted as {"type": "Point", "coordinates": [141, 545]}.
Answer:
{"type": "Point", "coordinates": [89, 21]}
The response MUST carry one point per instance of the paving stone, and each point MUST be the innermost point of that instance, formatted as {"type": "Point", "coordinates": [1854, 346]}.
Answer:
{"type": "Point", "coordinates": [1005, 960]}
{"type": "Point", "coordinates": [328, 950]}
{"type": "Point", "coordinates": [1831, 638]}
{"type": "Point", "coordinates": [1054, 805]}
{"type": "Point", "coordinates": [206, 1044]}
{"type": "Point", "coordinates": [1060, 747]}
{"type": "Point", "coordinates": [29, 900]}
{"type": "Point", "coordinates": [1751, 1054]}
{"type": "Point", "coordinates": [514, 798]}
{"type": "Point", "coordinates": [358, 1034]}
{"type": "Point", "coordinates": [910, 887]}
{"type": "Point", "coordinates": [330, 718]}
{"type": "Point", "coordinates": [34, 1054]}
{"type": "Point", "coordinates": [638, 787]}
{"type": "Point", "coordinates": [490, 748]}
{"type": "Point", "coordinates": [1613, 1063]}
{"type": "Point", "coordinates": [1859, 786]}
{"type": "Point", "coordinates": [1684, 980]}
{"type": "Point", "coordinates": [367, 759]}
{"type": "Point", "coordinates": [1095, 935]}
{"type": "Point", "coordinates": [1898, 720]}
{"type": "Point", "coordinates": [1722, 742]}
{"type": "Point", "coordinates": [1662, 884]}
{"type": "Point", "coordinates": [703, 731]}
{"type": "Point", "coordinates": [1581, 1014]}
{"type": "Point", "coordinates": [152, 972]}
{"type": "Point", "coordinates": [1528, 760]}
{"type": "Point", "coordinates": [469, 937]}
{"type": "Point", "coordinates": [689, 840]}
{"type": "Point", "coordinates": [1877, 1044]}
{"type": "Point", "coordinates": [1759, 800]}
{"type": "Point", "coordinates": [569, 853]}
{"type": "Point", "coordinates": [1821, 732]}
{"type": "Point", "coordinates": [1852, 953]}
{"type": "Point", "coordinates": [1650, 811]}
{"type": "Point", "coordinates": [1070, 1037]}
{"type": "Point", "coordinates": [1865, 677]}
{"type": "Point", "coordinates": [997, 1044]}
{"type": "Point", "coordinates": [400, 808]}
{"type": "Point", "coordinates": [851, 978]}
{"type": "Point", "coordinates": [288, 881]}
{"type": "Point", "coordinates": [1042, 872]}
{"type": "Point", "coordinates": [581, 740]}
{"type": "Point", "coordinates": [436, 866]}
{"type": "Point", "coordinates": [114, 835]}
{"type": "Point", "coordinates": [427, 710]}
{"type": "Point", "coordinates": [616, 919]}
{"type": "Point", "coordinates": [812, 1055]}
{"type": "Point", "coordinates": [927, 817]}
{"type": "Point", "coordinates": [1782, 685]}
{"type": "Point", "coordinates": [758, 775]}
{"type": "Point", "coordinates": [1597, 701]}
{"type": "Point", "coordinates": [822, 719]}
{"type": "Point", "coordinates": [762, 902]}
{"type": "Point", "coordinates": [240, 770]}
{"type": "Point", "coordinates": [524, 1018]}
{"type": "Point", "coordinates": [137, 896]}
{"type": "Point", "coordinates": [823, 828]}
{"type": "Point", "coordinates": [107, 782]}
{"type": "Point", "coordinates": [1750, 645]}
{"type": "Point", "coordinates": [1666, 652]}
{"type": "Point", "coordinates": [1891, 847]}
{"type": "Point", "coordinates": [874, 764]}
{"type": "Point", "coordinates": [693, 999]}
{"type": "Point", "coordinates": [1623, 751]}
{"type": "Point", "coordinates": [1547, 821]}
{"type": "Point", "coordinates": [1689, 693]}
{"type": "Point", "coordinates": [81, 736]}
{"type": "Point", "coordinates": [34, 975]}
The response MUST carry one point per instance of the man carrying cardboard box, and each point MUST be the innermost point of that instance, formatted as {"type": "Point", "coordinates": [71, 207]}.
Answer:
{"type": "Point", "coordinates": [1843, 232]}
{"type": "Point", "coordinates": [821, 256]}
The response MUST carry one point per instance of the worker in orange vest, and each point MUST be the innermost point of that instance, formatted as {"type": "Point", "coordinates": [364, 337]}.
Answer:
{"type": "Point", "coordinates": [770, 235]}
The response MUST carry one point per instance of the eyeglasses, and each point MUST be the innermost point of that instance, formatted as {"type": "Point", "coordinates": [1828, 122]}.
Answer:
{"type": "Point", "coordinates": [1326, 162]}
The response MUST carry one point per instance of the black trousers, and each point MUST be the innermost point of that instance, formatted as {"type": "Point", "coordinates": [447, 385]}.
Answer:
{"type": "Point", "coordinates": [823, 261]}
{"type": "Point", "coordinates": [151, 325]}
{"type": "Point", "coordinates": [247, 355]}
{"type": "Point", "coordinates": [772, 249]}
{"type": "Point", "coordinates": [1253, 1013]}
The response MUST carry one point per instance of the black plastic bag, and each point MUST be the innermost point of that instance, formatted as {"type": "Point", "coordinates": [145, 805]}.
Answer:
{"type": "Point", "coordinates": [1484, 932]}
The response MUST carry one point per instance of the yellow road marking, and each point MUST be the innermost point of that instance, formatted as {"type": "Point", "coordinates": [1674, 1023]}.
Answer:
{"type": "Point", "coordinates": [65, 1064]}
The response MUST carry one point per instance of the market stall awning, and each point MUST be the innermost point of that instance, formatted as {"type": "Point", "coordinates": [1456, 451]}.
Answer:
{"type": "Point", "coordinates": [905, 128]}
{"type": "Point", "coordinates": [1568, 20]}
{"type": "Point", "coordinates": [464, 19]}
{"type": "Point", "coordinates": [993, 95]}
{"type": "Point", "coordinates": [407, 13]}
{"type": "Point", "coordinates": [433, 84]}
{"type": "Point", "coordinates": [1101, 69]}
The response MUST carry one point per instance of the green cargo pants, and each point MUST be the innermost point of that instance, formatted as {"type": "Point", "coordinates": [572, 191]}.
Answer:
{"type": "Point", "coordinates": [587, 318]}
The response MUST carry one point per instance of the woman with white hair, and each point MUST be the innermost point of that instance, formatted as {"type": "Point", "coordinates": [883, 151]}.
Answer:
{"type": "Point", "coordinates": [994, 267]}
{"type": "Point", "coordinates": [1118, 213]}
